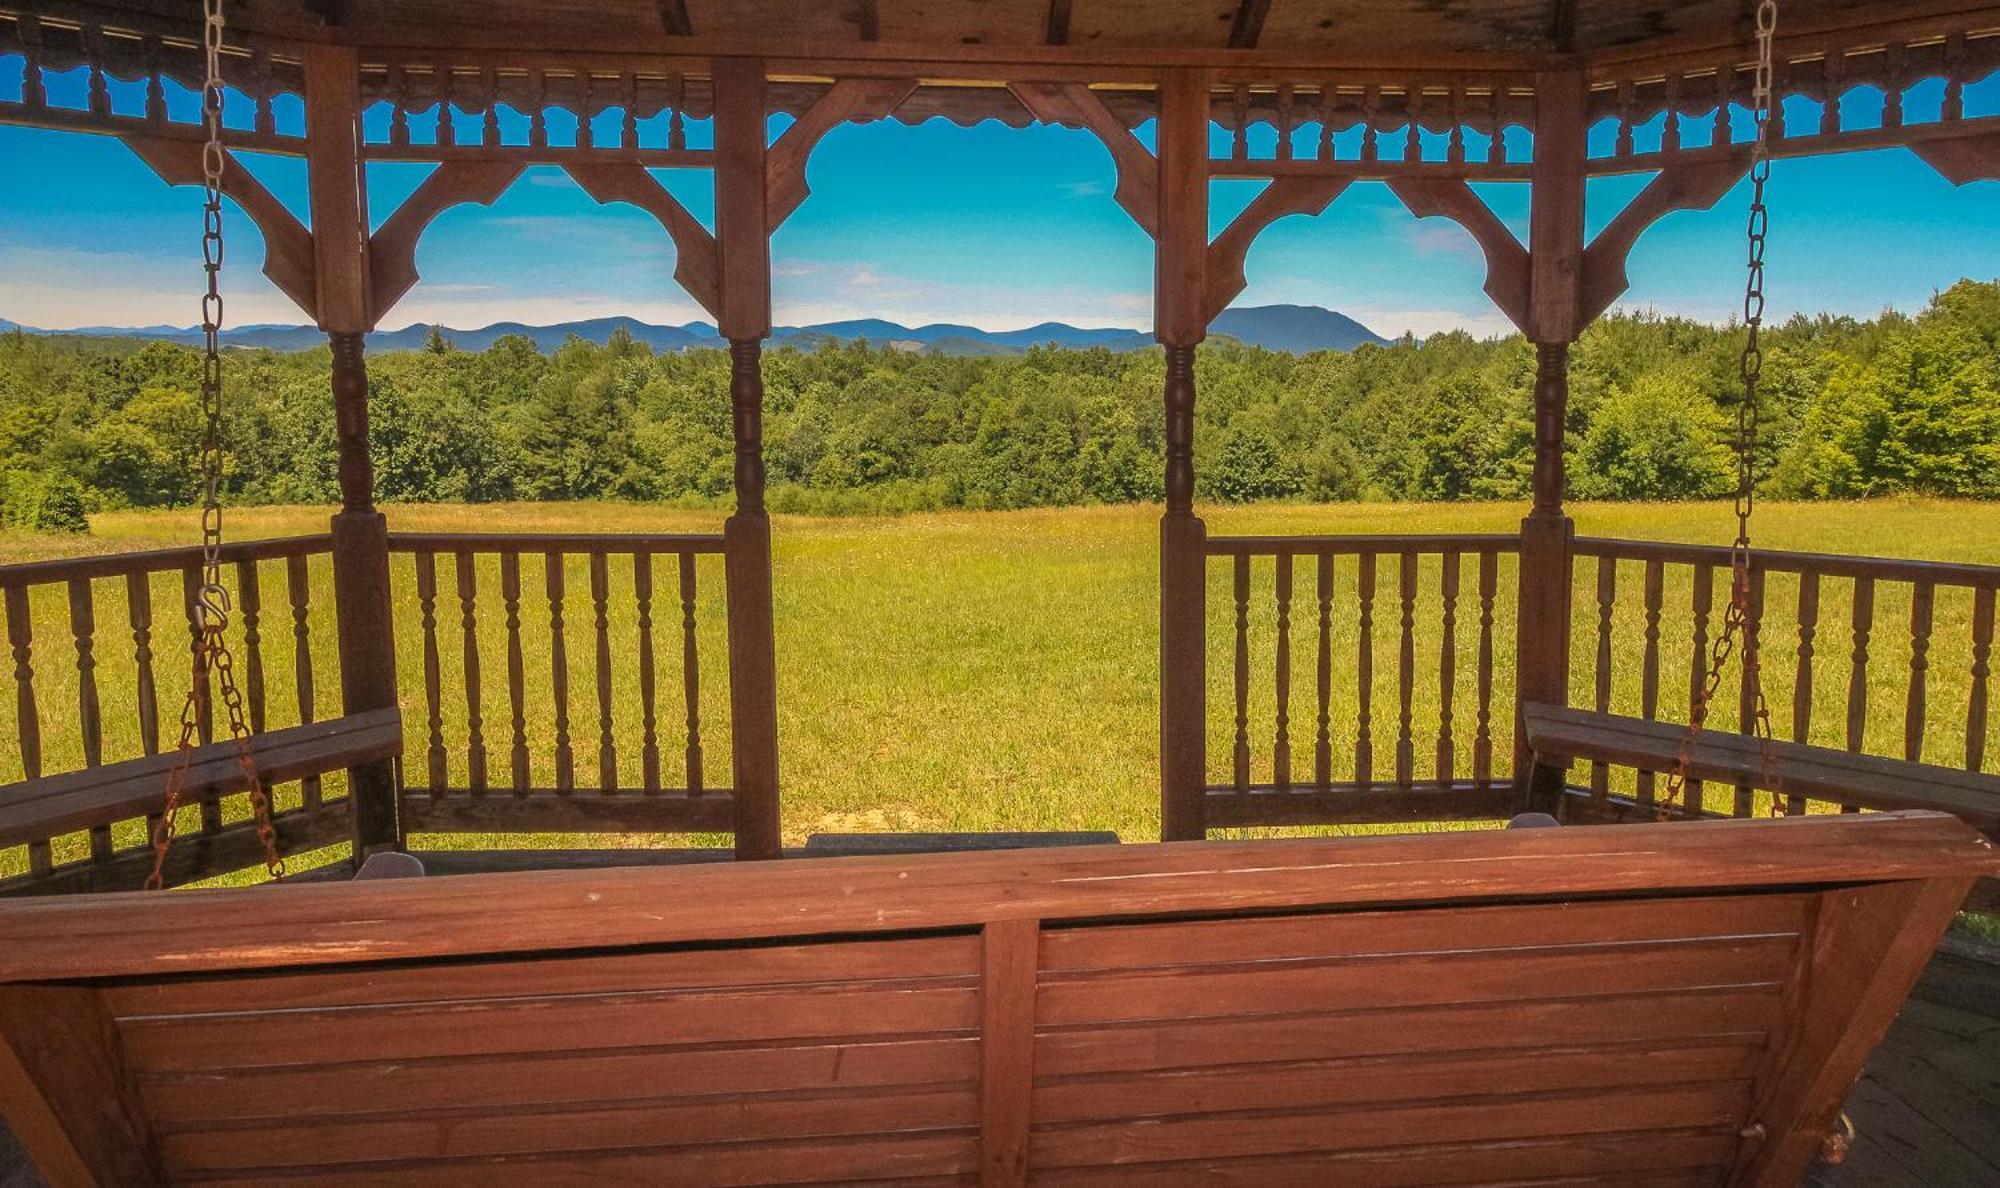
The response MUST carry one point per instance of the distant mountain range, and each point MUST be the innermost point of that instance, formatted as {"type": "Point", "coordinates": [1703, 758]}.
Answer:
{"type": "Point", "coordinates": [1298, 329]}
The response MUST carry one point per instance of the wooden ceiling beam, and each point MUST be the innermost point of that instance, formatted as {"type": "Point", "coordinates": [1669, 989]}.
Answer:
{"type": "Point", "coordinates": [1058, 23]}
{"type": "Point", "coordinates": [674, 18]}
{"type": "Point", "coordinates": [867, 17]}
{"type": "Point", "coordinates": [1249, 23]}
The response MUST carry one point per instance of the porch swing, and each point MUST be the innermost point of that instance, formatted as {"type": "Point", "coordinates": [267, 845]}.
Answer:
{"type": "Point", "coordinates": [1787, 772]}
{"type": "Point", "coordinates": [248, 762]}
{"type": "Point", "coordinates": [1667, 1003]}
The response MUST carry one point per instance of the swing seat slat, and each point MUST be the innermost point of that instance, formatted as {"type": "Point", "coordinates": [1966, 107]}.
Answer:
{"type": "Point", "coordinates": [31, 810]}
{"type": "Point", "coordinates": [1559, 734]}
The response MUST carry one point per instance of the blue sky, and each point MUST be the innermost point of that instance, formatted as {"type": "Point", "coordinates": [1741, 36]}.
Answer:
{"type": "Point", "coordinates": [987, 225]}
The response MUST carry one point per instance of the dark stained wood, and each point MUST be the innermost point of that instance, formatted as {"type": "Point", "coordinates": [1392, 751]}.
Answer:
{"type": "Point", "coordinates": [1864, 781]}
{"type": "Point", "coordinates": [52, 805]}
{"type": "Point", "coordinates": [1975, 701]}
{"type": "Point", "coordinates": [1508, 272]}
{"type": "Point", "coordinates": [1281, 746]}
{"type": "Point", "coordinates": [600, 597]}
{"type": "Point", "coordinates": [552, 581]}
{"type": "Point", "coordinates": [434, 755]}
{"type": "Point", "coordinates": [1226, 254]}
{"type": "Point", "coordinates": [63, 1090]}
{"type": "Point", "coordinates": [855, 99]}
{"type": "Point", "coordinates": [1138, 187]}
{"type": "Point", "coordinates": [697, 262]}
{"type": "Point", "coordinates": [1322, 735]}
{"type": "Point", "coordinates": [649, 715]}
{"type": "Point", "coordinates": [392, 248]}
{"type": "Point", "coordinates": [298, 592]}
{"type": "Point", "coordinates": [288, 247]}
{"type": "Point", "coordinates": [21, 646]}
{"type": "Point", "coordinates": [1240, 585]}
{"type": "Point", "coordinates": [1007, 1045]}
{"type": "Point", "coordinates": [1364, 681]}
{"type": "Point", "coordinates": [1696, 185]}
{"type": "Point", "coordinates": [510, 597]}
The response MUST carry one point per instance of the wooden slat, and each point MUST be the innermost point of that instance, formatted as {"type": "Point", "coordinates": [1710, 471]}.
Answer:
{"type": "Point", "coordinates": [1863, 625]}
{"type": "Point", "coordinates": [1733, 1017]}
{"type": "Point", "coordinates": [1364, 680]}
{"type": "Point", "coordinates": [202, 691]}
{"type": "Point", "coordinates": [178, 1101]}
{"type": "Point", "coordinates": [89, 713]}
{"type": "Point", "coordinates": [1751, 685]}
{"type": "Point", "coordinates": [1654, 588]}
{"type": "Point", "coordinates": [649, 714]}
{"type": "Point", "coordinates": [1701, 599]}
{"type": "Point", "coordinates": [62, 1088]}
{"type": "Point", "coordinates": [145, 692]}
{"type": "Point", "coordinates": [1293, 938]}
{"type": "Point", "coordinates": [578, 1022]}
{"type": "Point", "coordinates": [1864, 781]}
{"type": "Point", "coordinates": [1281, 745]}
{"type": "Point", "coordinates": [250, 612]}
{"type": "Point", "coordinates": [21, 645]}
{"type": "Point", "coordinates": [1458, 1120]}
{"type": "Point", "coordinates": [77, 800]}
{"type": "Point", "coordinates": [1922, 600]}
{"type": "Point", "coordinates": [570, 810]}
{"type": "Point", "coordinates": [466, 565]}
{"type": "Point", "coordinates": [1347, 803]}
{"type": "Point", "coordinates": [690, 673]}
{"type": "Point", "coordinates": [197, 930]}
{"type": "Point", "coordinates": [1607, 597]}
{"type": "Point", "coordinates": [1482, 737]}
{"type": "Point", "coordinates": [1295, 1085]}
{"type": "Point", "coordinates": [1975, 700]}
{"type": "Point", "coordinates": [1006, 1044]}
{"type": "Point", "coordinates": [1802, 677]}
{"type": "Point", "coordinates": [1240, 584]}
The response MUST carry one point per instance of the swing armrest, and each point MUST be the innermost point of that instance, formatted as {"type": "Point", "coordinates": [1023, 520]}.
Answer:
{"type": "Point", "coordinates": [32, 810]}
{"type": "Point", "coordinates": [1559, 734]}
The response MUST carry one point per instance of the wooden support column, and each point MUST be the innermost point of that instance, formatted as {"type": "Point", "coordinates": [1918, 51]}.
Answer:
{"type": "Point", "coordinates": [1555, 243]}
{"type": "Point", "coordinates": [743, 246]}
{"type": "Point", "coordinates": [360, 533]}
{"type": "Point", "coordinates": [1180, 323]}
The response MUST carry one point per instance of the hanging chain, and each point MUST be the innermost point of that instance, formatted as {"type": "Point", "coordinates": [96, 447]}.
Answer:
{"type": "Point", "coordinates": [1736, 623]}
{"type": "Point", "coordinates": [210, 609]}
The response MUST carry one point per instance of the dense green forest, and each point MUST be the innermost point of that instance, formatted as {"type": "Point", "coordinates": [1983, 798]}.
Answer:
{"type": "Point", "coordinates": [1851, 408]}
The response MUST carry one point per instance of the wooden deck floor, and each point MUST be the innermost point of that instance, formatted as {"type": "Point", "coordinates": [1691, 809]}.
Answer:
{"type": "Point", "coordinates": [1927, 1112]}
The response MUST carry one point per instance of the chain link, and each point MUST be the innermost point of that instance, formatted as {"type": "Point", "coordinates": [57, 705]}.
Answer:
{"type": "Point", "coordinates": [211, 607]}
{"type": "Point", "coordinates": [1736, 621]}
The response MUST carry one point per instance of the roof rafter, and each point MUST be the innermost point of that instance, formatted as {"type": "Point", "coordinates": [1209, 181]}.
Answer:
{"type": "Point", "coordinates": [1249, 23]}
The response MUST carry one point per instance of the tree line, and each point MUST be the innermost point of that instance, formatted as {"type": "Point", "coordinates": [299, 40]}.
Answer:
{"type": "Point", "coordinates": [1849, 408]}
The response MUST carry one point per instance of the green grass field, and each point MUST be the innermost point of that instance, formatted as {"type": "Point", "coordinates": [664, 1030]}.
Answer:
{"type": "Point", "coordinates": [976, 670]}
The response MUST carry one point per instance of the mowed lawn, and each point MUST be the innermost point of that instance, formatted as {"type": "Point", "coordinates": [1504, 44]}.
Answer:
{"type": "Point", "coordinates": [966, 671]}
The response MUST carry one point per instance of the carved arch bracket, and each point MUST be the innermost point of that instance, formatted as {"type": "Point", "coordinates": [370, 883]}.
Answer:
{"type": "Point", "coordinates": [1074, 104]}
{"type": "Point", "coordinates": [696, 260]}
{"type": "Point", "coordinates": [392, 249]}
{"type": "Point", "coordinates": [288, 246]}
{"type": "Point", "coordinates": [1969, 159]}
{"type": "Point", "coordinates": [1506, 260]}
{"type": "Point", "coordinates": [1692, 186]}
{"type": "Point", "coordinates": [848, 99]}
{"type": "Point", "coordinates": [1284, 196]}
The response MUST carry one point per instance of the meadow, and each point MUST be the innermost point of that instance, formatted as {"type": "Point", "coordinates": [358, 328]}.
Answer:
{"type": "Point", "coordinates": [988, 670]}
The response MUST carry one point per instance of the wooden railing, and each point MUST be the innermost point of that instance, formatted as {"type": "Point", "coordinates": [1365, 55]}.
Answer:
{"type": "Point", "coordinates": [1354, 679]}
{"type": "Point", "coordinates": [99, 645]}
{"type": "Point", "coordinates": [612, 658]}
{"type": "Point", "coordinates": [1872, 655]}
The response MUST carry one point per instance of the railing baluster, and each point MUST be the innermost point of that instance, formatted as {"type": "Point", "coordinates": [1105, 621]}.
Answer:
{"type": "Point", "coordinates": [298, 592]}
{"type": "Point", "coordinates": [1242, 752]}
{"type": "Point", "coordinates": [690, 674]}
{"type": "Point", "coordinates": [1654, 590]}
{"type": "Point", "coordinates": [1752, 680]}
{"type": "Point", "coordinates": [1607, 595]}
{"type": "Point", "coordinates": [600, 599]}
{"type": "Point", "coordinates": [1702, 600]}
{"type": "Point", "coordinates": [1364, 681]}
{"type": "Point", "coordinates": [250, 602]}
{"type": "Point", "coordinates": [1406, 665]}
{"type": "Point", "coordinates": [1281, 747]}
{"type": "Point", "coordinates": [517, 675]}
{"type": "Point", "coordinates": [1857, 676]}
{"type": "Point", "coordinates": [1482, 737]}
{"type": "Point", "coordinates": [89, 713]}
{"type": "Point", "coordinates": [1922, 597]}
{"type": "Point", "coordinates": [552, 576]}
{"type": "Point", "coordinates": [211, 807]}
{"type": "Point", "coordinates": [139, 612]}
{"type": "Point", "coordinates": [1975, 701]}
{"type": "Point", "coordinates": [1802, 680]}
{"type": "Point", "coordinates": [466, 564]}
{"type": "Point", "coordinates": [1447, 758]}
{"type": "Point", "coordinates": [649, 722]}
{"type": "Point", "coordinates": [1322, 736]}
{"type": "Point", "coordinates": [433, 682]}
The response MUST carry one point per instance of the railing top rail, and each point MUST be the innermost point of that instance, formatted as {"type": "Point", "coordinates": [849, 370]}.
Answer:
{"type": "Point", "coordinates": [1464, 542]}
{"type": "Point", "coordinates": [1952, 573]}
{"type": "Point", "coordinates": [101, 565]}
{"type": "Point", "coordinates": [559, 542]}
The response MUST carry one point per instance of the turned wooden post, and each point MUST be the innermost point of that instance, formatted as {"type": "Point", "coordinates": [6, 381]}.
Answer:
{"type": "Point", "coordinates": [743, 245]}
{"type": "Point", "coordinates": [1179, 324]}
{"type": "Point", "coordinates": [1555, 271]}
{"type": "Point", "coordinates": [360, 533]}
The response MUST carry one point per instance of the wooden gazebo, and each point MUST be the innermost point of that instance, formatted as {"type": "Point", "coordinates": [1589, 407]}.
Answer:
{"type": "Point", "coordinates": [1675, 1002]}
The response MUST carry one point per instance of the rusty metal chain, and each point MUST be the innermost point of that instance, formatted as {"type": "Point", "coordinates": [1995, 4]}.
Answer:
{"type": "Point", "coordinates": [1736, 620]}
{"type": "Point", "coordinates": [210, 609]}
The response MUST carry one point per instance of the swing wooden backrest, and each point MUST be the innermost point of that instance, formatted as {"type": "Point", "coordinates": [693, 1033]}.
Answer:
{"type": "Point", "coordinates": [1679, 1003]}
